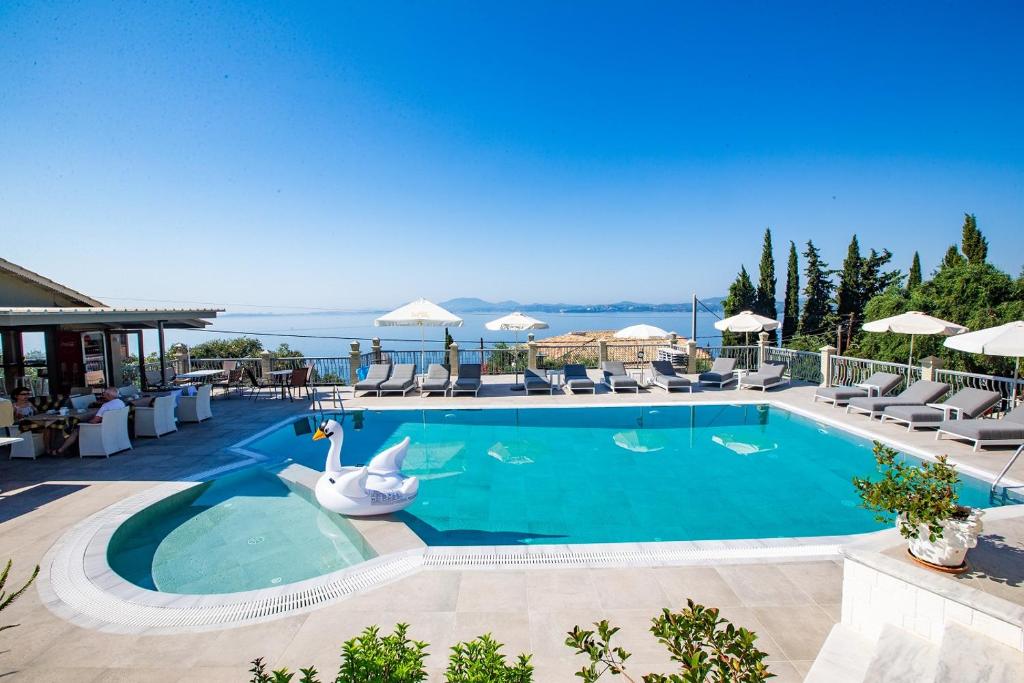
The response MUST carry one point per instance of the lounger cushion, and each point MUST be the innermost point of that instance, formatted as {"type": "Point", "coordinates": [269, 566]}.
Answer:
{"type": "Point", "coordinates": [622, 382]}
{"type": "Point", "coordinates": [971, 402]}
{"type": "Point", "coordinates": [579, 383]}
{"type": "Point", "coordinates": [840, 393]}
{"type": "Point", "coordinates": [712, 376]}
{"type": "Point", "coordinates": [466, 383]}
{"type": "Point", "coordinates": [985, 430]}
{"type": "Point", "coordinates": [672, 381]}
{"type": "Point", "coordinates": [769, 374]}
{"type": "Point", "coordinates": [432, 384]}
{"type": "Point", "coordinates": [916, 394]}
{"type": "Point", "coordinates": [402, 377]}
{"type": "Point", "coordinates": [914, 414]}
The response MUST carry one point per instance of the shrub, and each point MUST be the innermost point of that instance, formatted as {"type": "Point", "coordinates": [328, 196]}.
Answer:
{"type": "Point", "coordinates": [479, 661]}
{"type": "Point", "coordinates": [926, 494]}
{"type": "Point", "coordinates": [707, 648]}
{"type": "Point", "coordinates": [371, 658]}
{"type": "Point", "coordinates": [7, 600]}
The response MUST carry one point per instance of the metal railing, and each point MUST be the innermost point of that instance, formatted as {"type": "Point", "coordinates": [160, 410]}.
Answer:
{"type": "Point", "coordinates": [804, 366]}
{"type": "Point", "coordinates": [1004, 386]}
{"type": "Point", "coordinates": [551, 356]}
{"type": "Point", "coordinates": [746, 356]}
{"type": "Point", "coordinates": [847, 370]}
{"type": "Point", "coordinates": [326, 369]}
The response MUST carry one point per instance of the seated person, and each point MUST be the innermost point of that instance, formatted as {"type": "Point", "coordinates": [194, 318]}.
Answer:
{"type": "Point", "coordinates": [109, 400]}
{"type": "Point", "coordinates": [22, 405]}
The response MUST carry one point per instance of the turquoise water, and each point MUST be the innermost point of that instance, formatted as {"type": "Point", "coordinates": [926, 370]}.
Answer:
{"type": "Point", "coordinates": [237, 533]}
{"type": "Point", "coordinates": [592, 475]}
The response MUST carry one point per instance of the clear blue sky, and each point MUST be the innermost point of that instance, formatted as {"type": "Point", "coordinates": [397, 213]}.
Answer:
{"type": "Point", "coordinates": [350, 155]}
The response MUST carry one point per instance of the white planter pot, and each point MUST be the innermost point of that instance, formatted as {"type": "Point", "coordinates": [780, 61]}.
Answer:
{"type": "Point", "coordinates": [958, 536]}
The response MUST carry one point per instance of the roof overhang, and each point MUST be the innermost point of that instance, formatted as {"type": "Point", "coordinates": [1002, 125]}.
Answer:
{"type": "Point", "coordinates": [92, 318]}
{"type": "Point", "coordinates": [46, 283]}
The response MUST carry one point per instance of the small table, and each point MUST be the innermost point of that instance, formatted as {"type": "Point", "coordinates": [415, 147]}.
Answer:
{"type": "Point", "coordinates": [279, 376]}
{"type": "Point", "coordinates": [872, 389]}
{"type": "Point", "coordinates": [9, 440]}
{"type": "Point", "coordinates": [556, 376]}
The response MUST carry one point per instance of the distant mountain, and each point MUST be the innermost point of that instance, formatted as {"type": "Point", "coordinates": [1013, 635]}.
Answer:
{"type": "Point", "coordinates": [474, 305]}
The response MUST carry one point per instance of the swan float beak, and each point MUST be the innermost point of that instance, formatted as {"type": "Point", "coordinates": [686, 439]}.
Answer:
{"type": "Point", "coordinates": [319, 435]}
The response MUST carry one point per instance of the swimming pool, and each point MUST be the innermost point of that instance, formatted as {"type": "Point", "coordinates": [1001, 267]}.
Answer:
{"type": "Point", "coordinates": [241, 532]}
{"type": "Point", "coordinates": [612, 474]}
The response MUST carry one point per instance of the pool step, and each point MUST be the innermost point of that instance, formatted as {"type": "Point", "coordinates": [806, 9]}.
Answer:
{"type": "Point", "coordinates": [902, 657]}
{"type": "Point", "coordinates": [966, 656]}
{"type": "Point", "coordinates": [843, 658]}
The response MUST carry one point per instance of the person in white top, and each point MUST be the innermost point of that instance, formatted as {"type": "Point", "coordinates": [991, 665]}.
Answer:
{"type": "Point", "coordinates": [109, 400]}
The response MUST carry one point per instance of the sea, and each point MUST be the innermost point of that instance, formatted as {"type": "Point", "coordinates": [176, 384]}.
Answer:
{"type": "Point", "coordinates": [329, 334]}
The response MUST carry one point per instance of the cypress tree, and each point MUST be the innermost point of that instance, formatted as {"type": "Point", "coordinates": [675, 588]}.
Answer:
{"type": "Point", "coordinates": [848, 293]}
{"type": "Point", "coordinates": [791, 309]}
{"type": "Point", "coordinates": [742, 297]}
{"type": "Point", "coordinates": [914, 278]}
{"type": "Point", "coordinates": [765, 298]}
{"type": "Point", "coordinates": [973, 244]}
{"type": "Point", "coordinates": [817, 312]}
{"type": "Point", "coordinates": [952, 259]}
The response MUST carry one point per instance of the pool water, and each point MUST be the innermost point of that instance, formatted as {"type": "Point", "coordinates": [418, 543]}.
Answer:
{"type": "Point", "coordinates": [616, 474]}
{"type": "Point", "coordinates": [237, 533]}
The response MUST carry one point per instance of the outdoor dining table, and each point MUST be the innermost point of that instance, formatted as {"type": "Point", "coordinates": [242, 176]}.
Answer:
{"type": "Point", "coordinates": [200, 375]}
{"type": "Point", "coordinates": [10, 440]}
{"type": "Point", "coordinates": [65, 423]}
{"type": "Point", "coordinates": [279, 378]}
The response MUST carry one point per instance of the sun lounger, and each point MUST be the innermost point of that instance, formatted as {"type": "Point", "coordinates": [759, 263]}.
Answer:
{"type": "Point", "coordinates": [878, 384]}
{"type": "Point", "coordinates": [721, 372]}
{"type": "Point", "coordinates": [375, 376]}
{"type": "Point", "coordinates": [438, 378]}
{"type": "Point", "coordinates": [964, 404]}
{"type": "Point", "coordinates": [767, 377]}
{"type": "Point", "coordinates": [534, 381]}
{"type": "Point", "coordinates": [401, 381]}
{"type": "Point", "coordinates": [616, 378]}
{"type": "Point", "coordinates": [468, 381]}
{"type": "Point", "coordinates": [919, 393]}
{"type": "Point", "coordinates": [664, 375]}
{"type": "Point", "coordinates": [1006, 431]}
{"type": "Point", "coordinates": [577, 379]}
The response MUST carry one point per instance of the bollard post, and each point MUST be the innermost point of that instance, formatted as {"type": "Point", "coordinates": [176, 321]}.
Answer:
{"type": "Point", "coordinates": [691, 357]}
{"type": "Point", "coordinates": [354, 358]}
{"type": "Point", "coordinates": [826, 364]}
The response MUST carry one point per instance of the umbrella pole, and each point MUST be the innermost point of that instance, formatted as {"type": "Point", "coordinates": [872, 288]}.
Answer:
{"type": "Point", "coordinates": [423, 347]}
{"type": "Point", "coordinates": [910, 359]}
{"type": "Point", "coordinates": [1016, 375]}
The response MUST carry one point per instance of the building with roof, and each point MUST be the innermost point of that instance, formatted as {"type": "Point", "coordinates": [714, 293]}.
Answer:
{"type": "Point", "coordinates": [86, 343]}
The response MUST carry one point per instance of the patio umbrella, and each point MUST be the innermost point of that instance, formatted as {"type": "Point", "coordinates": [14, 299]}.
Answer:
{"type": "Point", "coordinates": [516, 322]}
{"type": "Point", "coordinates": [420, 313]}
{"type": "Point", "coordinates": [914, 323]}
{"type": "Point", "coordinates": [1003, 340]}
{"type": "Point", "coordinates": [747, 322]}
{"type": "Point", "coordinates": [641, 332]}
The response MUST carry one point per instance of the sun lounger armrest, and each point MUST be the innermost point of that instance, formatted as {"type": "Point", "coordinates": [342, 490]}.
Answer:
{"type": "Point", "coordinates": [948, 412]}
{"type": "Point", "coordinates": [872, 389]}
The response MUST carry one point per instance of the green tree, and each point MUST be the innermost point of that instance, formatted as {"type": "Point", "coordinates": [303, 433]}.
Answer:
{"type": "Point", "coordinates": [764, 303]}
{"type": "Point", "coordinates": [914, 278]}
{"type": "Point", "coordinates": [742, 297]}
{"type": "Point", "coordinates": [848, 292]}
{"type": "Point", "coordinates": [952, 258]}
{"type": "Point", "coordinates": [973, 243]}
{"type": "Point", "coordinates": [285, 351]}
{"type": "Point", "coordinates": [239, 347]}
{"type": "Point", "coordinates": [816, 316]}
{"type": "Point", "coordinates": [791, 307]}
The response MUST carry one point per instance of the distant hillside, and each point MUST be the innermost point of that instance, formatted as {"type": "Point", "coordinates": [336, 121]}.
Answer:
{"type": "Point", "coordinates": [473, 305]}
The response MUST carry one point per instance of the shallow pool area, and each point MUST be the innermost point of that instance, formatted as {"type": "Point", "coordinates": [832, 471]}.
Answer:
{"type": "Point", "coordinates": [242, 532]}
{"type": "Point", "coordinates": [612, 474]}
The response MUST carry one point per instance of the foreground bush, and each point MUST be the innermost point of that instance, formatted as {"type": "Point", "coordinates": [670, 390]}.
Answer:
{"type": "Point", "coordinates": [7, 600]}
{"type": "Point", "coordinates": [707, 648]}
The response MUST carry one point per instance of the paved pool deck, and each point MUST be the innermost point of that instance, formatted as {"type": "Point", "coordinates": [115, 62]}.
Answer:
{"type": "Point", "coordinates": [791, 605]}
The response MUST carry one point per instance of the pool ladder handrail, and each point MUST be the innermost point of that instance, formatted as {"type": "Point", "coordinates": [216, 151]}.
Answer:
{"type": "Point", "coordinates": [1009, 464]}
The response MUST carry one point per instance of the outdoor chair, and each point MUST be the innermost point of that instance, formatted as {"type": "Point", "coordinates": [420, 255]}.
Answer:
{"type": "Point", "coordinates": [155, 419]}
{"type": "Point", "coordinates": [257, 384]}
{"type": "Point", "coordinates": [107, 437]}
{"type": "Point", "coordinates": [577, 379]}
{"type": "Point", "coordinates": [664, 375]}
{"type": "Point", "coordinates": [1006, 431]}
{"type": "Point", "coordinates": [616, 378]}
{"type": "Point", "coordinates": [722, 372]}
{"type": "Point", "coordinates": [468, 380]}
{"type": "Point", "coordinates": [82, 402]}
{"type": "Point", "coordinates": [376, 375]}
{"type": "Point", "coordinates": [438, 379]}
{"type": "Point", "coordinates": [768, 376]}
{"type": "Point", "coordinates": [401, 381]}
{"type": "Point", "coordinates": [196, 408]}
{"type": "Point", "coordinates": [234, 381]}
{"type": "Point", "coordinates": [878, 384]}
{"type": "Point", "coordinates": [533, 380]}
{"type": "Point", "coordinates": [919, 393]}
{"type": "Point", "coordinates": [965, 404]}
{"type": "Point", "coordinates": [299, 379]}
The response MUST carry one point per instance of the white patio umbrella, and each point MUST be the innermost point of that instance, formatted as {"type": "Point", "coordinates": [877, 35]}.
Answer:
{"type": "Point", "coordinates": [747, 322]}
{"type": "Point", "coordinates": [914, 323]}
{"type": "Point", "coordinates": [641, 332]}
{"type": "Point", "coordinates": [1002, 340]}
{"type": "Point", "coordinates": [420, 313]}
{"type": "Point", "coordinates": [516, 322]}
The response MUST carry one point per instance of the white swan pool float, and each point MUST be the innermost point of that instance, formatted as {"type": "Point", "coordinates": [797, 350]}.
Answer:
{"type": "Point", "coordinates": [377, 488]}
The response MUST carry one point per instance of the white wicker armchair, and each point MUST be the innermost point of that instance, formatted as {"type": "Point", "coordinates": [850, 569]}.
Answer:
{"type": "Point", "coordinates": [196, 408]}
{"type": "Point", "coordinates": [157, 419]}
{"type": "Point", "coordinates": [109, 436]}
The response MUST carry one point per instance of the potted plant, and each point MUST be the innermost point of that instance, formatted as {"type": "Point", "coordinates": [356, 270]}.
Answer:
{"type": "Point", "coordinates": [923, 499]}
